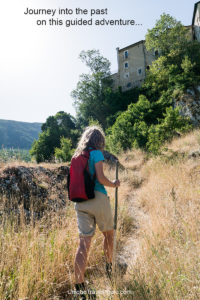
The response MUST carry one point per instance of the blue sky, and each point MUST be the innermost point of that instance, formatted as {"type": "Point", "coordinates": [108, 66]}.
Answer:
{"type": "Point", "coordinates": [39, 65]}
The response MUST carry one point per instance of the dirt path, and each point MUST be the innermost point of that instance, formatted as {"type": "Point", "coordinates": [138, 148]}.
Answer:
{"type": "Point", "coordinates": [131, 248]}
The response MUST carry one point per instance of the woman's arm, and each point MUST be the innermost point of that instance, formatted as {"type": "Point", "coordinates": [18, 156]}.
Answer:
{"type": "Point", "coordinates": [102, 178]}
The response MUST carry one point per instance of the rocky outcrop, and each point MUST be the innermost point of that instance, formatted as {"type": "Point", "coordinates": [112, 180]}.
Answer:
{"type": "Point", "coordinates": [35, 189]}
{"type": "Point", "coordinates": [189, 104]}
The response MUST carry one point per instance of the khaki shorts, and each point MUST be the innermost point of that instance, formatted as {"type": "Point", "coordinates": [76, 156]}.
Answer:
{"type": "Point", "coordinates": [94, 211]}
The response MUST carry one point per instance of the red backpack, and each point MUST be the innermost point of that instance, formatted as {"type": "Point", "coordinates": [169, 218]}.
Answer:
{"type": "Point", "coordinates": [80, 182]}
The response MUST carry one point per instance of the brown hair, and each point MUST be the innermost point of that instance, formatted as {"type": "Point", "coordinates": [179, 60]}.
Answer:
{"type": "Point", "coordinates": [93, 136]}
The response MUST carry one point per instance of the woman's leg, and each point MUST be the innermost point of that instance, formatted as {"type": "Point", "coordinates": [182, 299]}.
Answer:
{"type": "Point", "coordinates": [81, 258]}
{"type": "Point", "coordinates": [108, 245]}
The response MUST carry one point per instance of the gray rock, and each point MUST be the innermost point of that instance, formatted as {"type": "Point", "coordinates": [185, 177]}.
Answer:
{"type": "Point", "coordinates": [194, 154]}
{"type": "Point", "coordinates": [32, 188]}
{"type": "Point", "coordinates": [189, 105]}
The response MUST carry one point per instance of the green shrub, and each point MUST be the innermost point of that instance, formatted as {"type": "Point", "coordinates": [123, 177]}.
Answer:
{"type": "Point", "coordinates": [172, 124]}
{"type": "Point", "coordinates": [131, 126]}
{"type": "Point", "coordinates": [136, 127]}
{"type": "Point", "coordinates": [64, 153]}
{"type": "Point", "coordinates": [55, 127]}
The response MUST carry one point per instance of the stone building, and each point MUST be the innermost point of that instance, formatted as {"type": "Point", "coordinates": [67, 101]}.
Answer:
{"type": "Point", "coordinates": [134, 60]}
{"type": "Point", "coordinates": [196, 22]}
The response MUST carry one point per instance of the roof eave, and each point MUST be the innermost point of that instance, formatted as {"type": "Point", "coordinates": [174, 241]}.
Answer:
{"type": "Point", "coordinates": [195, 9]}
{"type": "Point", "coordinates": [132, 45]}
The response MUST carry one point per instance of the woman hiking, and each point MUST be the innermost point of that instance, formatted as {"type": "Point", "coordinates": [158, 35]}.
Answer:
{"type": "Point", "coordinates": [93, 211]}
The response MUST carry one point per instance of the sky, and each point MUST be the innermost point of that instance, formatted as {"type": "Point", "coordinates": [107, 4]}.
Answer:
{"type": "Point", "coordinates": [39, 64]}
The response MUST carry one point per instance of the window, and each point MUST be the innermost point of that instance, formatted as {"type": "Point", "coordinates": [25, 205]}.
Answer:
{"type": "Point", "coordinates": [148, 68]}
{"type": "Point", "coordinates": [128, 85]}
{"type": "Point", "coordinates": [139, 71]}
{"type": "Point", "coordinates": [156, 53]}
{"type": "Point", "coordinates": [126, 65]}
{"type": "Point", "coordinates": [126, 54]}
{"type": "Point", "coordinates": [126, 75]}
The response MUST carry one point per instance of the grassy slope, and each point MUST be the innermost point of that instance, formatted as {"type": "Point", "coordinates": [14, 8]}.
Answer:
{"type": "Point", "coordinates": [37, 261]}
{"type": "Point", "coordinates": [15, 134]}
{"type": "Point", "coordinates": [168, 266]}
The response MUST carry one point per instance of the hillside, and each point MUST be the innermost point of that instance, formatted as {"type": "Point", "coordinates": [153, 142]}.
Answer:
{"type": "Point", "coordinates": [162, 243]}
{"type": "Point", "coordinates": [157, 235]}
{"type": "Point", "coordinates": [14, 134]}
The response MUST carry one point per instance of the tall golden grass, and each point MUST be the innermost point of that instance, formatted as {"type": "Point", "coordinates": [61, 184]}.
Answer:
{"type": "Point", "coordinates": [36, 260]}
{"type": "Point", "coordinates": [168, 266]}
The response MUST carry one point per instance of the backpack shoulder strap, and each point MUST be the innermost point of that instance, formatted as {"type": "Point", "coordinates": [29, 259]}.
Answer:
{"type": "Point", "coordinates": [88, 156]}
{"type": "Point", "coordinates": [94, 175]}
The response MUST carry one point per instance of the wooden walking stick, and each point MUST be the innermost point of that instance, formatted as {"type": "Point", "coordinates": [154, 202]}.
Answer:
{"type": "Point", "coordinates": [115, 222]}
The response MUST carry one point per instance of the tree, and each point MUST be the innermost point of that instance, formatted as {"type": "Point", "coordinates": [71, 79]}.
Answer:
{"type": "Point", "coordinates": [141, 127]}
{"type": "Point", "coordinates": [131, 127]}
{"type": "Point", "coordinates": [172, 124]}
{"type": "Point", "coordinates": [41, 149]}
{"type": "Point", "coordinates": [55, 127]}
{"type": "Point", "coordinates": [118, 101]}
{"type": "Point", "coordinates": [64, 153]}
{"type": "Point", "coordinates": [94, 97]}
{"type": "Point", "coordinates": [178, 66]}
{"type": "Point", "coordinates": [167, 35]}
{"type": "Point", "coordinates": [62, 124]}
{"type": "Point", "coordinates": [89, 95]}
{"type": "Point", "coordinates": [151, 121]}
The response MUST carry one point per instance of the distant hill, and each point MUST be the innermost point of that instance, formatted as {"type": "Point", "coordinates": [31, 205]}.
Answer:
{"type": "Point", "coordinates": [14, 134]}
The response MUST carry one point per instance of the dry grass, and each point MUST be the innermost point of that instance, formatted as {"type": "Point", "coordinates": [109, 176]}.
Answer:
{"type": "Point", "coordinates": [133, 160]}
{"type": "Point", "coordinates": [169, 264]}
{"type": "Point", "coordinates": [125, 220]}
{"type": "Point", "coordinates": [50, 166]}
{"type": "Point", "coordinates": [187, 143]}
{"type": "Point", "coordinates": [37, 261]}
{"type": "Point", "coordinates": [34, 259]}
